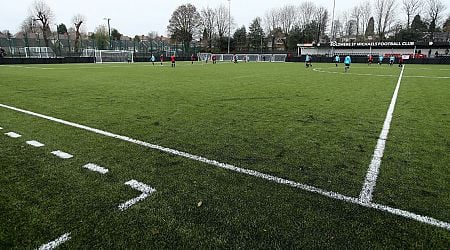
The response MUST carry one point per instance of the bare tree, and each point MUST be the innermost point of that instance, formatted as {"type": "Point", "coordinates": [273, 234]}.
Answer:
{"type": "Point", "coordinates": [287, 18]}
{"type": "Point", "coordinates": [435, 8]}
{"type": "Point", "coordinates": [153, 34]}
{"type": "Point", "coordinates": [29, 26]}
{"type": "Point", "coordinates": [272, 20]}
{"type": "Point", "coordinates": [384, 16]}
{"type": "Point", "coordinates": [184, 22]}
{"type": "Point", "coordinates": [208, 22]}
{"type": "Point", "coordinates": [41, 13]}
{"type": "Point", "coordinates": [306, 11]}
{"type": "Point", "coordinates": [321, 17]}
{"type": "Point", "coordinates": [356, 14]}
{"type": "Point", "coordinates": [366, 13]}
{"type": "Point", "coordinates": [411, 8]}
{"type": "Point", "coordinates": [222, 20]}
{"type": "Point", "coordinates": [77, 21]}
{"type": "Point", "coordinates": [272, 24]}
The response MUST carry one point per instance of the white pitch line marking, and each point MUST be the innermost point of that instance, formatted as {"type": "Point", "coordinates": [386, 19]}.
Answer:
{"type": "Point", "coordinates": [1, 128]}
{"type": "Point", "coordinates": [53, 244]}
{"type": "Point", "coordinates": [96, 168]}
{"type": "Point", "coordinates": [13, 135]}
{"type": "Point", "coordinates": [374, 168]}
{"type": "Point", "coordinates": [321, 70]}
{"type": "Point", "coordinates": [333, 195]}
{"type": "Point", "coordinates": [35, 144]}
{"type": "Point", "coordinates": [62, 155]}
{"type": "Point", "coordinates": [145, 189]}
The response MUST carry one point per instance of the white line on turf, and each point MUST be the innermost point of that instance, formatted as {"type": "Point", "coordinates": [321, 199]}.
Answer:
{"type": "Point", "coordinates": [53, 244]}
{"type": "Point", "coordinates": [337, 196]}
{"type": "Point", "coordinates": [13, 135]}
{"type": "Point", "coordinates": [374, 168]}
{"type": "Point", "coordinates": [96, 168]}
{"type": "Point", "coordinates": [321, 70]}
{"type": "Point", "coordinates": [1, 128]}
{"type": "Point", "coordinates": [62, 155]}
{"type": "Point", "coordinates": [35, 144]}
{"type": "Point", "coordinates": [141, 187]}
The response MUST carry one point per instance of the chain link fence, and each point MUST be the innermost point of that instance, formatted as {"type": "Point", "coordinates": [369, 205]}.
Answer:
{"type": "Point", "coordinates": [65, 46]}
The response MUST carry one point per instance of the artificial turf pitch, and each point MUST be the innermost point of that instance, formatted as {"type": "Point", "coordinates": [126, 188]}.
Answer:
{"type": "Point", "coordinates": [317, 127]}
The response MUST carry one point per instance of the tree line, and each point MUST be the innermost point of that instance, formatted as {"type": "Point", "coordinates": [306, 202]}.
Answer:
{"type": "Point", "coordinates": [374, 20]}
{"type": "Point", "coordinates": [285, 27]}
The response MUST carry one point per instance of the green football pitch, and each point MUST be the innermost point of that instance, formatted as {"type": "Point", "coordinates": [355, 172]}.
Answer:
{"type": "Point", "coordinates": [248, 155]}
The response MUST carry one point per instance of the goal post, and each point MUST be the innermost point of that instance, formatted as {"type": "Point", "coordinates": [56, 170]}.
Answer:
{"type": "Point", "coordinates": [109, 56]}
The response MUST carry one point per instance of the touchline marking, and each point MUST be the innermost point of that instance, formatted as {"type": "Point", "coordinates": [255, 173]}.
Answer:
{"type": "Point", "coordinates": [145, 189]}
{"type": "Point", "coordinates": [374, 168]}
{"type": "Point", "coordinates": [35, 144]}
{"type": "Point", "coordinates": [62, 155]}
{"type": "Point", "coordinates": [333, 195]}
{"type": "Point", "coordinates": [96, 168]}
{"type": "Point", "coordinates": [13, 135]}
{"type": "Point", "coordinates": [320, 70]}
{"type": "Point", "coordinates": [53, 244]}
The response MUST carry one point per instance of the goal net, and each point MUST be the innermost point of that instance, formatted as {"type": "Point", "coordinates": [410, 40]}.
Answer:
{"type": "Point", "coordinates": [279, 58]}
{"type": "Point", "coordinates": [109, 56]}
{"type": "Point", "coordinates": [37, 52]}
{"type": "Point", "coordinates": [247, 57]}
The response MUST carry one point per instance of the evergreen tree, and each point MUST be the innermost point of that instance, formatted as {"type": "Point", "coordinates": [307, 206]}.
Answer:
{"type": "Point", "coordinates": [418, 25]}
{"type": "Point", "coordinates": [256, 34]}
{"type": "Point", "coordinates": [61, 29]}
{"type": "Point", "coordinates": [370, 30]}
{"type": "Point", "coordinates": [446, 26]}
{"type": "Point", "coordinates": [295, 37]}
{"type": "Point", "coordinates": [240, 39]}
{"type": "Point", "coordinates": [115, 34]}
{"type": "Point", "coordinates": [310, 32]}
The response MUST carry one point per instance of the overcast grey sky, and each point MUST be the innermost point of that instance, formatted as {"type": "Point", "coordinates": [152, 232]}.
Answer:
{"type": "Point", "coordinates": [132, 17]}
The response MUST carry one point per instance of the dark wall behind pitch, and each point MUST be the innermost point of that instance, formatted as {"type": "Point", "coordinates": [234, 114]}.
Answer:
{"type": "Point", "coordinates": [46, 60]}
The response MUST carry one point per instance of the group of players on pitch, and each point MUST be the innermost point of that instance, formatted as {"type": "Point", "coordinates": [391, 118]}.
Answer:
{"type": "Point", "coordinates": [193, 59]}
{"type": "Point", "coordinates": [348, 61]}
{"type": "Point", "coordinates": [161, 60]}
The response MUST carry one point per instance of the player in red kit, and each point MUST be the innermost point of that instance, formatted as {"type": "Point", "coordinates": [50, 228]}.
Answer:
{"type": "Point", "coordinates": [370, 60]}
{"type": "Point", "coordinates": [172, 59]}
{"type": "Point", "coordinates": [192, 59]}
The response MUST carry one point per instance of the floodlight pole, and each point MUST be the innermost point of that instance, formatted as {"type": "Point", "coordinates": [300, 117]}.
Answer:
{"type": "Point", "coordinates": [109, 31]}
{"type": "Point", "coordinates": [229, 24]}
{"type": "Point", "coordinates": [332, 25]}
{"type": "Point", "coordinates": [332, 21]}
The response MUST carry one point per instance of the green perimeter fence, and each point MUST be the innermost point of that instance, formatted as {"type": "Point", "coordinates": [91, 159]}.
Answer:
{"type": "Point", "coordinates": [64, 46]}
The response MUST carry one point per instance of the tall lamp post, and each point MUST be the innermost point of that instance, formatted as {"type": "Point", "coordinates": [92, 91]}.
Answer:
{"type": "Point", "coordinates": [229, 24]}
{"type": "Point", "coordinates": [332, 22]}
{"type": "Point", "coordinates": [333, 38]}
{"type": "Point", "coordinates": [109, 30]}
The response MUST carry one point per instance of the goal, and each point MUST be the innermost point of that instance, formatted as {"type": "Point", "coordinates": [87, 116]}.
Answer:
{"type": "Point", "coordinates": [37, 52]}
{"type": "Point", "coordinates": [109, 56]}
{"type": "Point", "coordinates": [250, 57]}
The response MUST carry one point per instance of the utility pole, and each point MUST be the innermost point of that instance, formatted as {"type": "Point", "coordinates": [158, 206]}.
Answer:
{"type": "Point", "coordinates": [109, 31]}
{"type": "Point", "coordinates": [229, 24]}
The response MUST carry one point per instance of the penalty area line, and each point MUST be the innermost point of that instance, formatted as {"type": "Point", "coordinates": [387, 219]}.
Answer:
{"type": "Point", "coordinates": [333, 195]}
{"type": "Point", "coordinates": [374, 168]}
{"type": "Point", "coordinates": [53, 244]}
